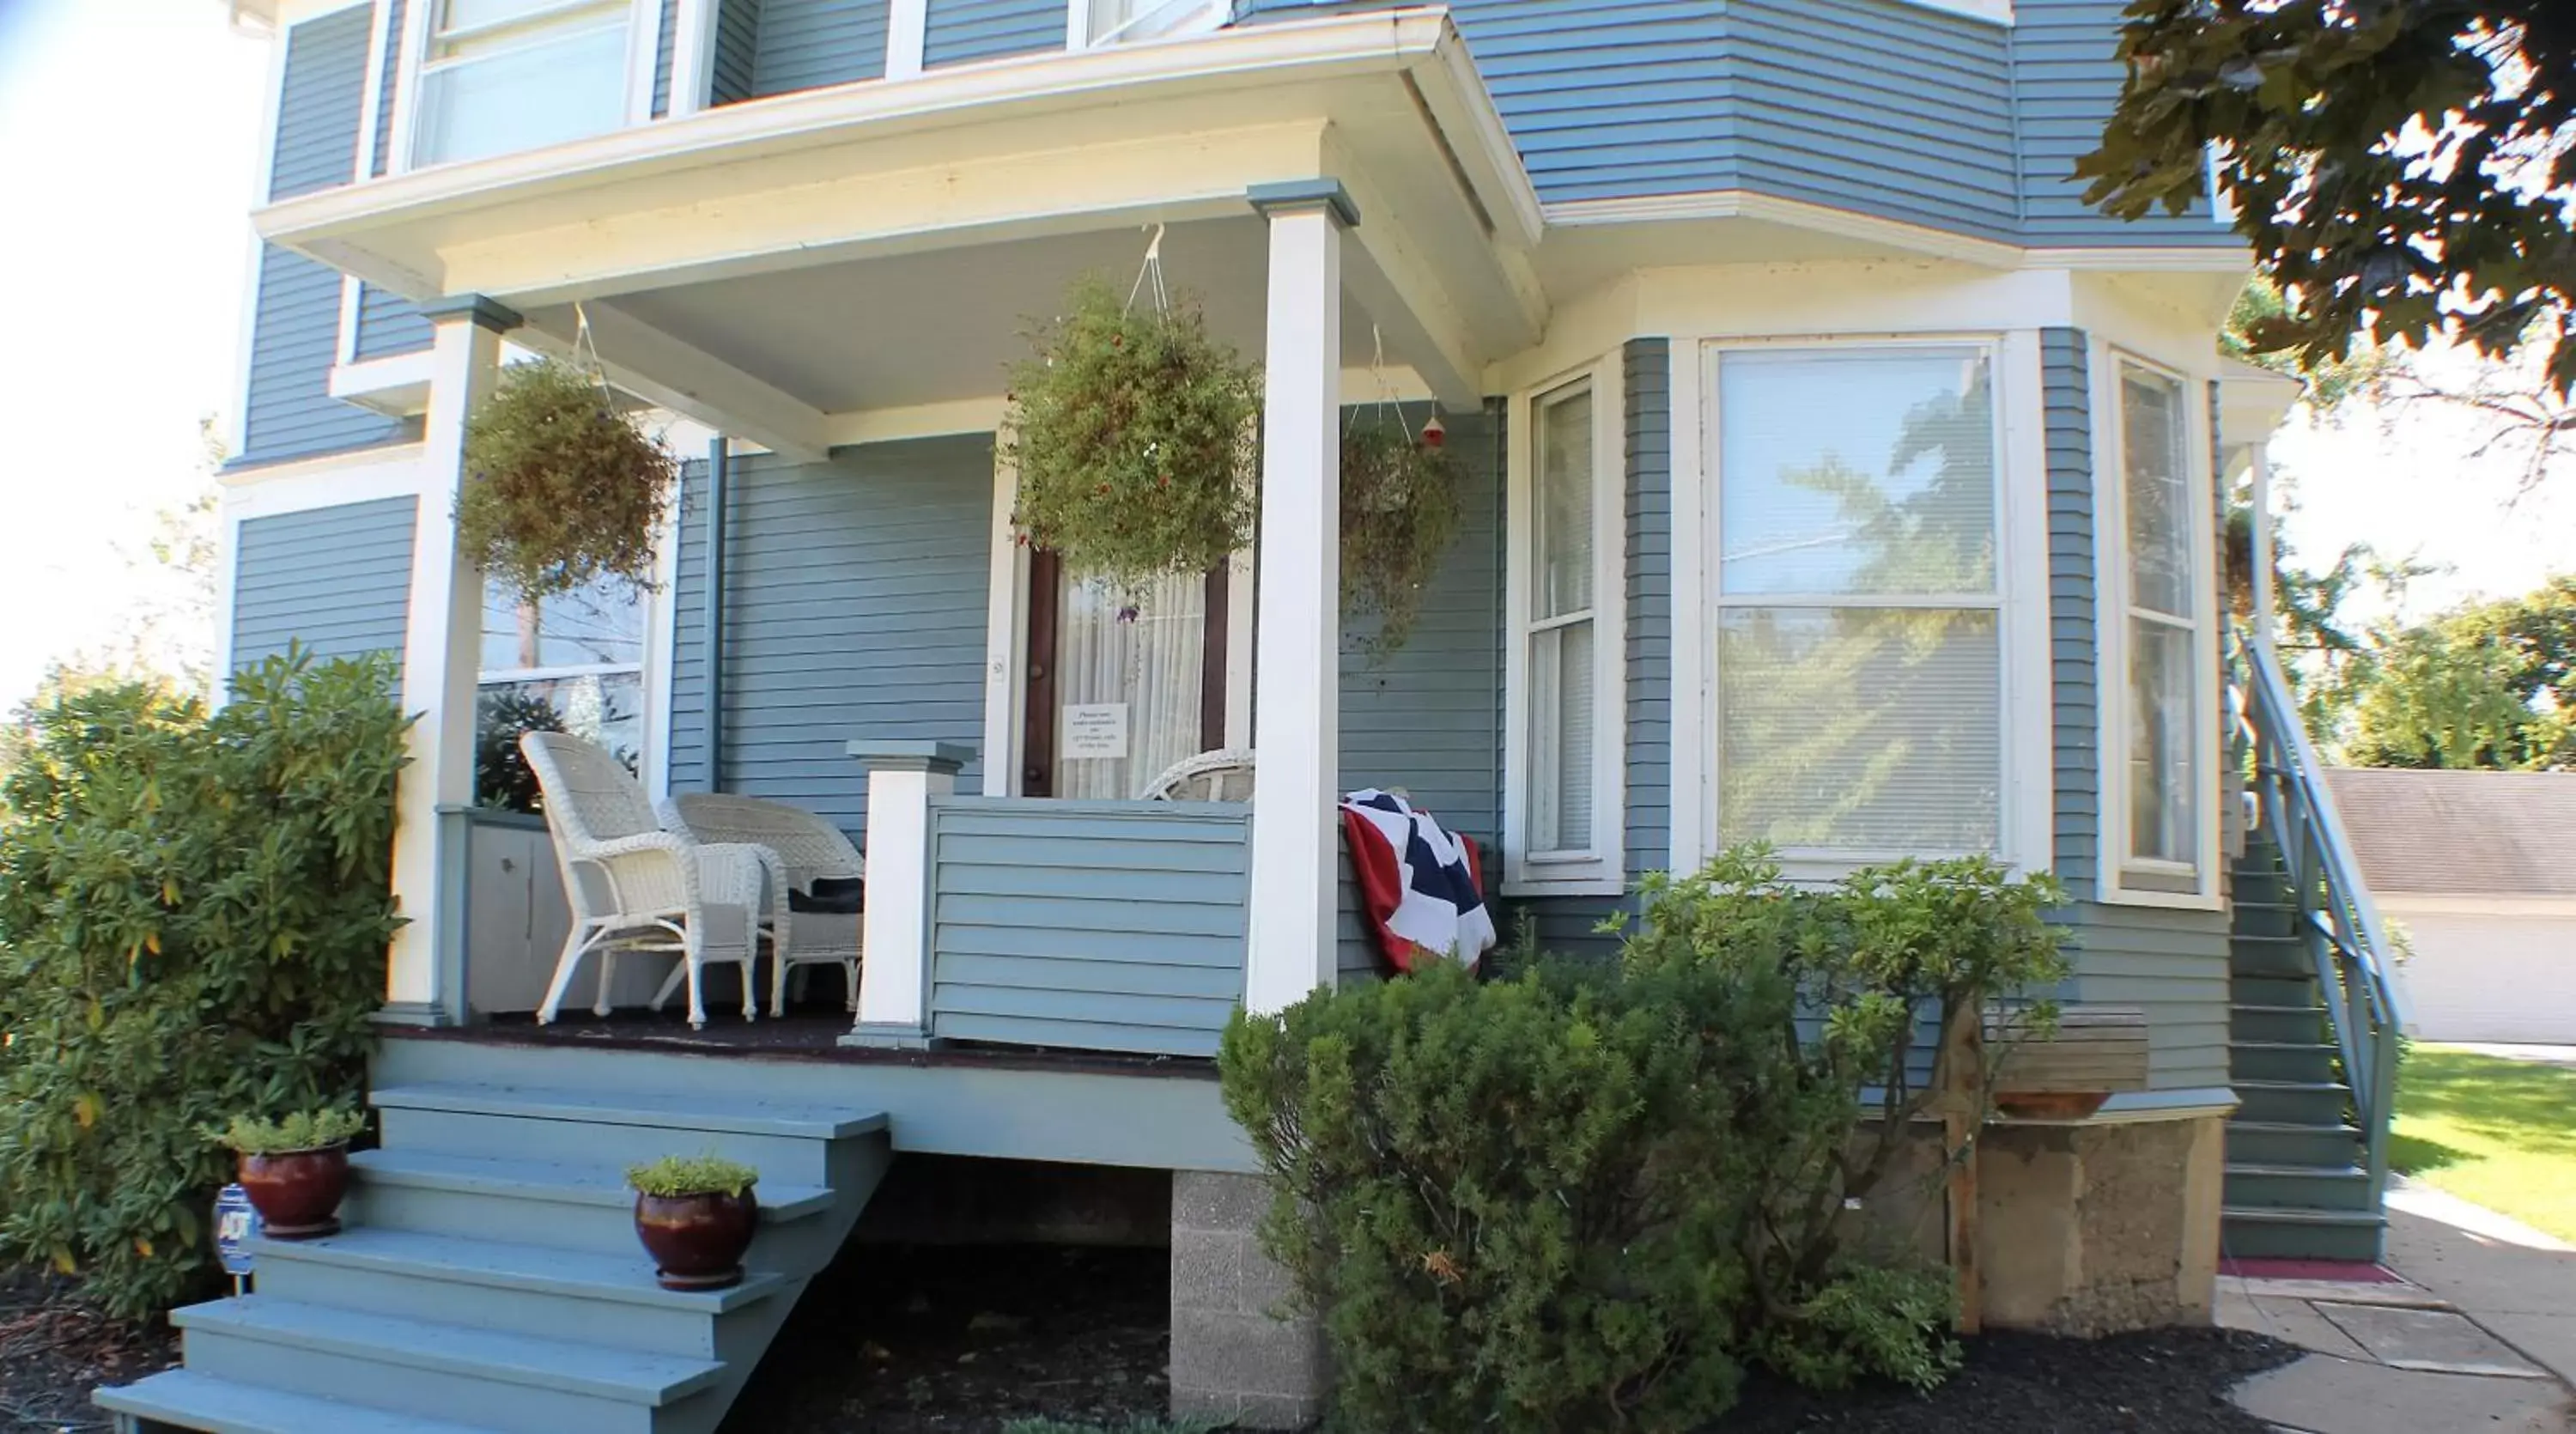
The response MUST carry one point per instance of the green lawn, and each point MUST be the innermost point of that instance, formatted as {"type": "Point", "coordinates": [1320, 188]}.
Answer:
{"type": "Point", "coordinates": [2500, 1133]}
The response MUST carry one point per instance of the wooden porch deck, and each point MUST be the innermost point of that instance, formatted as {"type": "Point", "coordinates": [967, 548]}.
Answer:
{"type": "Point", "coordinates": [808, 1036]}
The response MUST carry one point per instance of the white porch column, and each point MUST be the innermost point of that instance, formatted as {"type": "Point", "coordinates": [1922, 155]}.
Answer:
{"type": "Point", "coordinates": [894, 973]}
{"type": "Point", "coordinates": [2258, 452]}
{"type": "Point", "coordinates": [442, 655]}
{"type": "Point", "coordinates": [1296, 723]}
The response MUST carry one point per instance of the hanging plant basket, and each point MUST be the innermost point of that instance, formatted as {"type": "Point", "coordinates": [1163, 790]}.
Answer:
{"type": "Point", "coordinates": [1401, 508]}
{"type": "Point", "coordinates": [560, 488]}
{"type": "Point", "coordinates": [1133, 434]}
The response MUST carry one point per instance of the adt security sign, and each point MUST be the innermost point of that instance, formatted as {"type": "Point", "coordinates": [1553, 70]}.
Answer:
{"type": "Point", "coordinates": [235, 1223]}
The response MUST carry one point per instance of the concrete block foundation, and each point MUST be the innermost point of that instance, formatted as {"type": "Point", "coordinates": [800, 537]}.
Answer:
{"type": "Point", "coordinates": [2083, 1228]}
{"type": "Point", "coordinates": [1234, 1356]}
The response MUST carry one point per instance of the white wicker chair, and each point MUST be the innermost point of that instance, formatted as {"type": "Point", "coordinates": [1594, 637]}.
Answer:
{"type": "Point", "coordinates": [634, 887]}
{"type": "Point", "coordinates": [809, 850]}
{"type": "Point", "coordinates": [1224, 775]}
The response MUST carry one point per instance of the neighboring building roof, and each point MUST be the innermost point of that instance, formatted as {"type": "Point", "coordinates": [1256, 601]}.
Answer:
{"type": "Point", "coordinates": [2466, 833]}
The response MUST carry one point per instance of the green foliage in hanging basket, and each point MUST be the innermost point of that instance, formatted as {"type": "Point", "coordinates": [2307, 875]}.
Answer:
{"type": "Point", "coordinates": [1132, 432]}
{"type": "Point", "coordinates": [560, 489]}
{"type": "Point", "coordinates": [1400, 511]}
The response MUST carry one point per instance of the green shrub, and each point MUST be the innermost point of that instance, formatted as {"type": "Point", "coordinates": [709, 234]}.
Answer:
{"type": "Point", "coordinates": [292, 1132]}
{"type": "Point", "coordinates": [673, 1176]}
{"type": "Point", "coordinates": [194, 910]}
{"type": "Point", "coordinates": [1582, 1197]}
{"type": "Point", "coordinates": [503, 780]}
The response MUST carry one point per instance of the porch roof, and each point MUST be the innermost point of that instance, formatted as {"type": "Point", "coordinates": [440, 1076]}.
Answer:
{"type": "Point", "coordinates": [957, 179]}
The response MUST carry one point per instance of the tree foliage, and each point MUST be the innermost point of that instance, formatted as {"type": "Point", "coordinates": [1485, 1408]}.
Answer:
{"type": "Point", "coordinates": [194, 910]}
{"type": "Point", "coordinates": [1584, 1198]}
{"type": "Point", "coordinates": [2405, 169]}
{"type": "Point", "coordinates": [2488, 685]}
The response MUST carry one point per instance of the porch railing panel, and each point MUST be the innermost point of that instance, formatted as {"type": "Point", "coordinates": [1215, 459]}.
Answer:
{"type": "Point", "coordinates": [2335, 917]}
{"type": "Point", "coordinates": [1108, 926]}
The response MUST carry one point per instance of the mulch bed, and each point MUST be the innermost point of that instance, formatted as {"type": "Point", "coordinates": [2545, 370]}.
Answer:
{"type": "Point", "coordinates": [2169, 1381]}
{"type": "Point", "coordinates": [53, 1352]}
{"type": "Point", "coordinates": [933, 1340]}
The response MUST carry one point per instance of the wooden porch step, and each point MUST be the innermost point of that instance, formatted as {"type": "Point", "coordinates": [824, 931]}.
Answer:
{"type": "Point", "coordinates": [188, 1399]}
{"type": "Point", "coordinates": [561, 1184]}
{"type": "Point", "coordinates": [659, 1111]}
{"type": "Point", "coordinates": [620, 1376]}
{"type": "Point", "coordinates": [537, 1269]}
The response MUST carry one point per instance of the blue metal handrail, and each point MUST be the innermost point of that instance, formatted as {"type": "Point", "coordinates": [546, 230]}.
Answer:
{"type": "Point", "coordinates": [2337, 920]}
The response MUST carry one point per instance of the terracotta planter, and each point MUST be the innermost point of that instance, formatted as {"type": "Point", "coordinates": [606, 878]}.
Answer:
{"type": "Point", "coordinates": [697, 1241]}
{"type": "Point", "coordinates": [297, 1192]}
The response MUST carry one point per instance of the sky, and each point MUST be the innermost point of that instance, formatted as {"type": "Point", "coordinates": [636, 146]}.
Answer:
{"type": "Point", "coordinates": [128, 135]}
{"type": "Point", "coordinates": [128, 244]}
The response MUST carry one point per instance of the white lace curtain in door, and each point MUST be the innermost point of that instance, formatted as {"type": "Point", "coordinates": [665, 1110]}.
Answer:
{"type": "Point", "coordinates": [1150, 659]}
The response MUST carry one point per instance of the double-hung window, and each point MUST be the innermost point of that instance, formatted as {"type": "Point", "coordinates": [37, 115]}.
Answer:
{"type": "Point", "coordinates": [1114, 22]}
{"type": "Point", "coordinates": [2162, 619]}
{"type": "Point", "coordinates": [1858, 593]}
{"type": "Point", "coordinates": [1562, 830]}
{"type": "Point", "coordinates": [498, 76]}
{"type": "Point", "coordinates": [579, 654]}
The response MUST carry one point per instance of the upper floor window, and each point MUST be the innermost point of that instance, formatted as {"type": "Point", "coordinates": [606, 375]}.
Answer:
{"type": "Point", "coordinates": [1860, 635]}
{"type": "Point", "coordinates": [499, 76]}
{"type": "Point", "coordinates": [1112, 22]}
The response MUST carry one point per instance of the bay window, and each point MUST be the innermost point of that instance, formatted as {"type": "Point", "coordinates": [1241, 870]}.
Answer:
{"type": "Point", "coordinates": [498, 76]}
{"type": "Point", "coordinates": [1562, 828]}
{"type": "Point", "coordinates": [1858, 600]}
{"type": "Point", "coordinates": [2161, 627]}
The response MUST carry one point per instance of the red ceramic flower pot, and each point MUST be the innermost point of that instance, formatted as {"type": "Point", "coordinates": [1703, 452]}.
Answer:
{"type": "Point", "coordinates": [697, 1241]}
{"type": "Point", "coordinates": [297, 1192]}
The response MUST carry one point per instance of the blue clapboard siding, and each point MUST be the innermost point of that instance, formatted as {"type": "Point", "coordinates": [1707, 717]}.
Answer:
{"type": "Point", "coordinates": [1647, 369]}
{"type": "Point", "coordinates": [288, 411]}
{"type": "Point", "coordinates": [388, 324]}
{"type": "Point", "coordinates": [388, 79]}
{"type": "Point", "coordinates": [1115, 926]}
{"type": "Point", "coordinates": [317, 109]}
{"type": "Point", "coordinates": [1355, 958]}
{"type": "Point", "coordinates": [2066, 80]}
{"type": "Point", "coordinates": [1882, 107]}
{"type": "Point", "coordinates": [665, 44]}
{"type": "Point", "coordinates": [854, 611]}
{"type": "Point", "coordinates": [1425, 716]}
{"type": "Point", "coordinates": [806, 44]}
{"type": "Point", "coordinates": [2073, 643]}
{"type": "Point", "coordinates": [336, 579]}
{"type": "Point", "coordinates": [962, 31]}
{"type": "Point", "coordinates": [737, 45]}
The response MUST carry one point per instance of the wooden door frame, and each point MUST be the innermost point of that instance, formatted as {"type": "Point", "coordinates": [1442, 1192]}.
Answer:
{"type": "Point", "coordinates": [1038, 705]}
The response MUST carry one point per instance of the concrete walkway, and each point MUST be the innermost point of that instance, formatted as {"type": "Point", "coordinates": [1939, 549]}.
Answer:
{"type": "Point", "coordinates": [2480, 1335]}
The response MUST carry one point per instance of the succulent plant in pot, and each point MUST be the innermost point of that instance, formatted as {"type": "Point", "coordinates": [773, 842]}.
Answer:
{"type": "Point", "coordinates": [295, 1169]}
{"type": "Point", "coordinates": [695, 1215]}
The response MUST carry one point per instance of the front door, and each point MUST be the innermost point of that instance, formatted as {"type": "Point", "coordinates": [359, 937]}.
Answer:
{"type": "Point", "coordinates": [1119, 689]}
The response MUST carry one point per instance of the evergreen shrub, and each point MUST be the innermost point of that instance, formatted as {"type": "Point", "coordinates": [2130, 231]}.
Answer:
{"type": "Point", "coordinates": [1586, 1196]}
{"type": "Point", "coordinates": [194, 910]}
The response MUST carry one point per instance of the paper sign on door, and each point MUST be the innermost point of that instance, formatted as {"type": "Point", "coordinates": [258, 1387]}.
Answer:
{"type": "Point", "coordinates": [1095, 730]}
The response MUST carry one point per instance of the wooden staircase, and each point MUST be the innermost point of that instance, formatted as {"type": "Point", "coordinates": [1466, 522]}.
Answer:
{"type": "Point", "coordinates": [2296, 1186]}
{"type": "Point", "coordinates": [488, 1280]}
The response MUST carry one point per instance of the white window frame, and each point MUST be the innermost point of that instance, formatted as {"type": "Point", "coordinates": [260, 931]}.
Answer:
{"type": "Point", "coordinates": [643, 43]}
{"type": "Point", "coordinates": [2111, 627]}
{"type": "Point", "coordinates": [2025, 752]}
{"type": "Point", "coordinates": [1155, 22]}
{"type": "Point", "coordinates": [1601, 869]}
